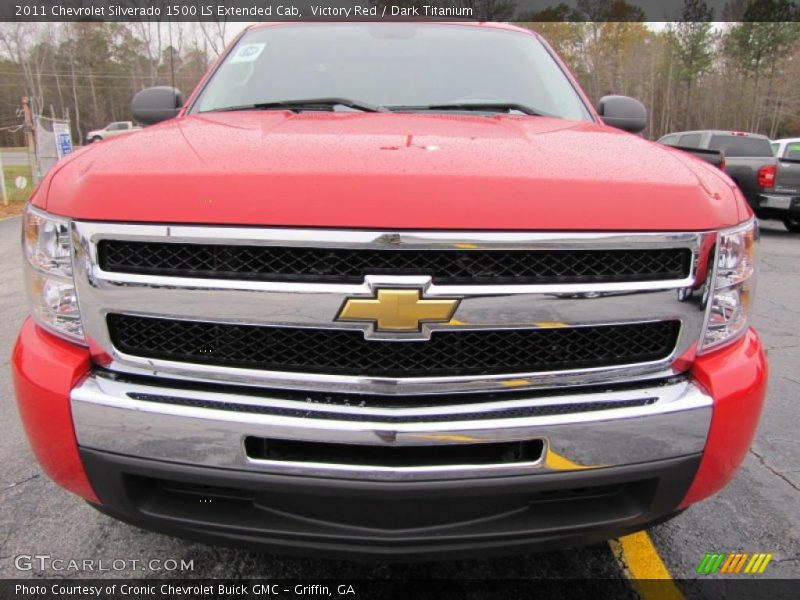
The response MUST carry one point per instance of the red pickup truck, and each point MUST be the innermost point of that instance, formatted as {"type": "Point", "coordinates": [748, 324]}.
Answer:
{"type": "Point", "coordinates": [389, 291]}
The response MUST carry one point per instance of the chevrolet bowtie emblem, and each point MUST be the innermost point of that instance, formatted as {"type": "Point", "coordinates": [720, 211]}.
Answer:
{"type": "Point", "coordinates": [398, 310]}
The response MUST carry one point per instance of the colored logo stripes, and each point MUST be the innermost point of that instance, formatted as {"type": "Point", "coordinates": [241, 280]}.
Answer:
{"type": "Point", "coordinates": [738, 562]}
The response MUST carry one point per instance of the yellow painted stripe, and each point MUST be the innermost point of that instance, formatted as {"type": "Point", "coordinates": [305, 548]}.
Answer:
{"type": "Point", "coordinates": [765, 563]}
{"type": "Point", "coordinates": [515, 382]}
{"type": "Point", "coordinates": [752, 562]}
{"type": "Point", "coordinates": [641, 563]}
{"type": "Point", "coordinates": [438, 437]}
{"type": "Point", "coordinates": [753, 568]}
{"type": "Point", "coordinates": [556, 461]}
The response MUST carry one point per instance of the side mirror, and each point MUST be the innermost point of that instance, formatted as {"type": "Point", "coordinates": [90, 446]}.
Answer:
{"type": "Point", "coordinates": [623, 113]}
{"type": "Point", "coordinates": [156, 104]}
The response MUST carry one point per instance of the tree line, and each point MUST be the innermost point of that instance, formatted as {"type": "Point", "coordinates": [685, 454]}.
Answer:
{"type": "Point", "coordinates": [691, 74]}
{"type": "Point", "coordinates": [89, 71]}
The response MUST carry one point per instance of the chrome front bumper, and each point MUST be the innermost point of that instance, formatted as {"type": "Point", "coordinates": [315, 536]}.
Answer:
{"type": "Point", "coordinates": [207, 427]}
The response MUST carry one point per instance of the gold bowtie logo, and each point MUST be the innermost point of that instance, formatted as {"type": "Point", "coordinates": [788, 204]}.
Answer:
{"type": "Point", "coordinates": [398, 310]}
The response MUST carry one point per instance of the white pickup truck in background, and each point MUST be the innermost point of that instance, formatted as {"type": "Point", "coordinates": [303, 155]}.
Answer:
{"type": "Point", "coordinates": [787, 148]}
{"type": "Point", "coordinates": [110, 130]}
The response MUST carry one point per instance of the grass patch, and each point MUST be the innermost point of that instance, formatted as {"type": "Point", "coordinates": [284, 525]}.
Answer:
{"type": "Point", "coordinates": [16, 196]}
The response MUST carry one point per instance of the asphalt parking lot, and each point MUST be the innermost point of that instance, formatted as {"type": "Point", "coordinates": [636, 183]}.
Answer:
{"type": "Point", "coordinates": [758, 512]}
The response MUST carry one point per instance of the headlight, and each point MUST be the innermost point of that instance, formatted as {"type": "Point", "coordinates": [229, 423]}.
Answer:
{"type": "Point", "coordinates": [51, 287]}
{"type": "Point", "coordinates": [733, 285]}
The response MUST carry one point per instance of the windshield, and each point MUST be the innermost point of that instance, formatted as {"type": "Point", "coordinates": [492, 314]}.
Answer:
{"type": "Point", "coordinates": [392, 65]}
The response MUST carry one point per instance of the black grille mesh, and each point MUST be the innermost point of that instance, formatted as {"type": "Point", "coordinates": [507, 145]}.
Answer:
{"type": "Point", "coordinates": [351, 265]}
{"type": "Point", "coordinates": [346, 352]}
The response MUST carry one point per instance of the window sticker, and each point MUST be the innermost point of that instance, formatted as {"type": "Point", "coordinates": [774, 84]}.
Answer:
{"type": "Point", "coordinates": [247, 53]}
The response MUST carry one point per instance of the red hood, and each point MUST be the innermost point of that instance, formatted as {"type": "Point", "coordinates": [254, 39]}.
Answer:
{"type": "Point", "coordinates": [393, 171]}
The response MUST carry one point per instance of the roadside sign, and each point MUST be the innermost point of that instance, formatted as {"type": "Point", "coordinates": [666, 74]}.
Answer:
{"type": "Point", "coordinates": [63, 139]}
{"type": "Point", "coordinates": [21, 182]}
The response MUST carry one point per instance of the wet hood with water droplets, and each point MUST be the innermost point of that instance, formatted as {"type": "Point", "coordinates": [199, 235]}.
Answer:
{"type": "Point", "coordinates": [391, 171]}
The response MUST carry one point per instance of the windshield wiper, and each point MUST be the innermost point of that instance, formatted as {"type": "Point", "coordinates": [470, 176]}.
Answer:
{"type": "Point", "coordinates": [477, 106]}
{"type": "Point", "coordinates": [305, 104]}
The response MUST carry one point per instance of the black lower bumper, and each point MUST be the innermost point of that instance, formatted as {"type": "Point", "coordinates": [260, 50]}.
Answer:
{"type": "Point", "coordinates": [391, 521]}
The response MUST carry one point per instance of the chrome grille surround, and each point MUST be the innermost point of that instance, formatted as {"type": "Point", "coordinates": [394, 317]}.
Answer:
{"type": "Point", "coordinates": [315, 305]}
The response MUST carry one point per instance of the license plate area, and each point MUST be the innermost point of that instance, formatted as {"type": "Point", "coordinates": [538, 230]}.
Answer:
{"type": "Point", "coordinates": [779, 202]}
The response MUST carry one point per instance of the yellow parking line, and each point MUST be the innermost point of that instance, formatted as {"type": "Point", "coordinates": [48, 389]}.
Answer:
{"type": "Point", "coordinates": [641, 564]}
{"type": "Point", "coordinates": [556, 461]}
{"type": "Point", "coordinates": [457, 438]}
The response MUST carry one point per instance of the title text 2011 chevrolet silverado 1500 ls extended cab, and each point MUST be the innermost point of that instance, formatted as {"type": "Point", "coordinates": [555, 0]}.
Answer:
{"type": "Point", "coordinates": [389, 290]}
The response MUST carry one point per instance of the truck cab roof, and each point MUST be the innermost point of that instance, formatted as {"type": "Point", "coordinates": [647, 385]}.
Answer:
{"type": "Point", "coordinates": [730, 143]}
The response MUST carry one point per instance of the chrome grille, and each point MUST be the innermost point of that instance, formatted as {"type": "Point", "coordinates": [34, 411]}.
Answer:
{"type": "Point", "coordinates": [523, 332]}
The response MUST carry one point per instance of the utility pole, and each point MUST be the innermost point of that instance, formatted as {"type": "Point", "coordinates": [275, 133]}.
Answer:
{"type": "Point", "coordinates": [30, 139]}
{"type": "Point", "coordinates": [3, 182]}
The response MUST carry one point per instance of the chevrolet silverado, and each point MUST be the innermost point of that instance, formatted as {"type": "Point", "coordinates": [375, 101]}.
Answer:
{"type": "Point", "coordinates": [389, 291]}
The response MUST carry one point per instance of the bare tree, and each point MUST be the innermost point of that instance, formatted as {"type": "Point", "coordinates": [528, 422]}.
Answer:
{"type": "Point", "coordinates": [215, 34]}
{"type": "Point", "coordinates": [18, 39]}
{"type": "Point", "coordinates": [150, 33]}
